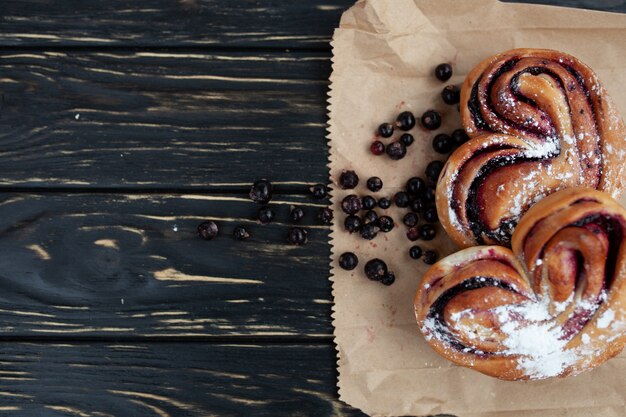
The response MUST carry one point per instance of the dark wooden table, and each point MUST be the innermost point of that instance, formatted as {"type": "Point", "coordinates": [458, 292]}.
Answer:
{"type": "Point", "coordinates": [124, 124]}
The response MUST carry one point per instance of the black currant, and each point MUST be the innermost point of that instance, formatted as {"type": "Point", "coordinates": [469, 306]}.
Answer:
{"type": "Point", "coordinates": [375, 269]}
{"type": "Point", "coordinates": [415, 186]}
{"type": "Point", "coordinates": [351, 204]}
{"type": "Point", "coordinates": [442, 143]}
{"type": "Point", "coordinates": [370, 217]}
{"type": "Point", "coordinates": [369, 231]}
{"type": "Point", "coordinates": [451, 94]}
{"type": "Point", "coordinates": [208, 230]}
{"type": "Point", "coordinates": [430, 215]}
{"type": "Point", "coordinates": [396, 150]}
{"type": "Point", "coordinates": [405, 121]}
{"type": "Point", "coordinates": [319, 191]}
{"type": "Point", "coordinates": [297, 213]}
{"type": "Point", "coordinates": [352, 223]}
{"type": "Point", "coordinates": [374, 184]}
{"type": "Point", "coordinates": [443, 72]}
{"type": "Point", "coordinates": [459, 137]}
{"type": "Point", "coordinates": [385, 130]}
{"type": "Point", "coordinates": [348, 180]}
{"type": "Point", "coordinates": [407, 139]}
{"type": "Point", "coordinates": [410, 219]}
{"type": "Point", "coordinates": [348, 261]}
{"type": "Point", "coordinates": [385, 223]}
{"type": "Point", "coordinates": [261, 192]}
{"type": "Point", "coordinates": [427, 232]}
{"type": "Point", "coordinates": [368, 202]}
{"type": "Point", "coordinates": [266, 215]}
{"type": "Point", "coordinates": [401, 199]}
{"type": "Point", "coordinates": [388, 279]}
{"type": "Point", "coordinates": [433, 169]}
{"type": "Point", "coordinates": [431, 119]}
{"type": "Point", "coordinates": [241, 233]}
{"type": "Point", "coordinates": [415, 252]}
{"type": "Point", "coordinates": [325, 215]}
{"type": "Point", "coordinates": [384, 203]}
{"type": "Point", "coordinates": [297, 236]}
{"type": "Point", "coordinates": [430, 257]}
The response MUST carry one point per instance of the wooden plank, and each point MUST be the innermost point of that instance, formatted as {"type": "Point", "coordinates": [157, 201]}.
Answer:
{"type": "Point", "coordinates": [99, 380]}
{"type": "Point", "coordinates": [164, 23]}
{"type": "Point", "coordinates": [85, 265]}
{"type": "Point", "coordinates": [190, 23]}
{"type": "Point", "coordinates": [157, 119]}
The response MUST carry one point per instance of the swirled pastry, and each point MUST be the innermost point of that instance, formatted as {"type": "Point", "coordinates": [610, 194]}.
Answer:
{"type": "Point", "coordinates": [554, 305]}
{"type": "Point", "coordinates": [539, 121]}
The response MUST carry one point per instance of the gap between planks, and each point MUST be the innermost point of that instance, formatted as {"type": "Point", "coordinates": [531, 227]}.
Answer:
{"type": "Point", "coordinates": [215, 340]}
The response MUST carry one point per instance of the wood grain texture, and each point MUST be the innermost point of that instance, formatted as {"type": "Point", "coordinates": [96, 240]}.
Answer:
{"type": "Point", "coordinates": [160, 119]}
{"type": "Point", "coordinates": [80, 265]}
{"type": "Point", "coordinates": [189, 23]}
{"type": "Point", "coordinates": [163, 23]}
{"type": "Point", "coordinates": [162, 380]}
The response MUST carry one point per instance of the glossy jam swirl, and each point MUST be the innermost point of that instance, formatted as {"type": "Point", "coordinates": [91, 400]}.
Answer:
{"type": "Point", "coordinates": [554, 305]}
{"type": "Point", "coordinates": [539, 121]}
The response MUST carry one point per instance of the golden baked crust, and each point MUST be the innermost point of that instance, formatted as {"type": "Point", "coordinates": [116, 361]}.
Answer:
{"type": "Point", "coordinates": [554, 305]}
{"type": "Point", "coordinates": [539, 121]}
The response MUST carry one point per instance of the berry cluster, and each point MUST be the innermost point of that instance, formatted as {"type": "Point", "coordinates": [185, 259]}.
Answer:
{"type": "Point", "coordinates": [261, 192]}
{"type": "Point", "coordinates": [418, 195]}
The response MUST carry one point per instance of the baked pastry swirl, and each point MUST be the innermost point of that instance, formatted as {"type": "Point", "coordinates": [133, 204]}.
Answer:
{"type": "Point", "coordinates": [539, 121]}
{"type": "Point", "coordinates": [554, 305]}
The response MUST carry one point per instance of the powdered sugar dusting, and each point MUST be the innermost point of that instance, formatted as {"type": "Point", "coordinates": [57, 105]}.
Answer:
{"type": "Point", "coordinates": [605, 319]}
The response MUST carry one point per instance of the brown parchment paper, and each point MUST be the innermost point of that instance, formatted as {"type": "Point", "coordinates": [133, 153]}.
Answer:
{"type": "Point", "coordinates": [384, 55]}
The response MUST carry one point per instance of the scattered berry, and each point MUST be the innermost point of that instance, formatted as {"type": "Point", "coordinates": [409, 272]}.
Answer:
{"type": "Point", "coordinates": [410, 219]}
{"type": "Point", "coordinates": [418, 205]}
{"type": "Point", "coordinates": [351, 204]}
{"type": "Point", "coordinates": [266, 215]}
{"type": "Point", "coordinates": [396, 150]}
{"type": "Point", "coordinates": [415, 186]}
{"type": "Point", "coordinates": [401, 199]}
{"type": "Point", "coordinates": [348, 180]}
{"type": "Point", "coordinates": [388, 279]}
{"type": "Point", "coordinates": [241, 233]}
{"type": "Point", "coordinates": [407, 139]}
{"type": "Point", "coordinates": [451, 94]}
{"type": "Point", "coordinates": [385, 223]}
{"type": "Point", "coordinates": [377, 147]}
{"type": "Point", "coordinates": [431, 120]}
{"type": "Point", "coordinates": [442, 143]}
{"type": "Point", "coordinates": [297, 236]}
{"type": "Point", "coordinates": [405, 121]}
{"type": "Point", "coordinates": [431, 194]}
{"type": "Point", "coordinates": [368, 202]}
{"type": "Point", "coordinates": [369, 231]}
{"type": "Point", "coordinates": [374, 184]}
{"type": "Point", "coordinates": [325, 215]}
{"type": "Point", "coordinates": [443, 72]}
{"type": "Point", "coordinates": [385, 130]}
{"type": "Point", "coordinates": [208, 230]}
{"type": "Point", "coordinates": [430, 215]}
{"type": "Point", "coordinates": [352, 223]}
{"type": "Point", "coordinates": [296, 214]}
{"type": "Point", "coordinates": [375, 269]}
{"type": "Point", "coordinates": [348, 261]}
{"type": "Point", "coordinates": [427, 232]}
{"type": "Point", "coordinates": [370, 217]}
{"type": "Point", "coordinates": [459, 137]}
{"type": "Point", "coordinates": [319, 191]}
{"type": "Point", "coordinates": [415, 252]}
{"type": "Point", "coordinates": [430, 257]}
{"type": "Point", "coordinates": [261, 192]}
{"type": "Point", "coordinates": [384, 203]}
{"type": "Point", "coordinates": [413, 234]}
{"type": "Point", "coordinates": [433, 169]}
